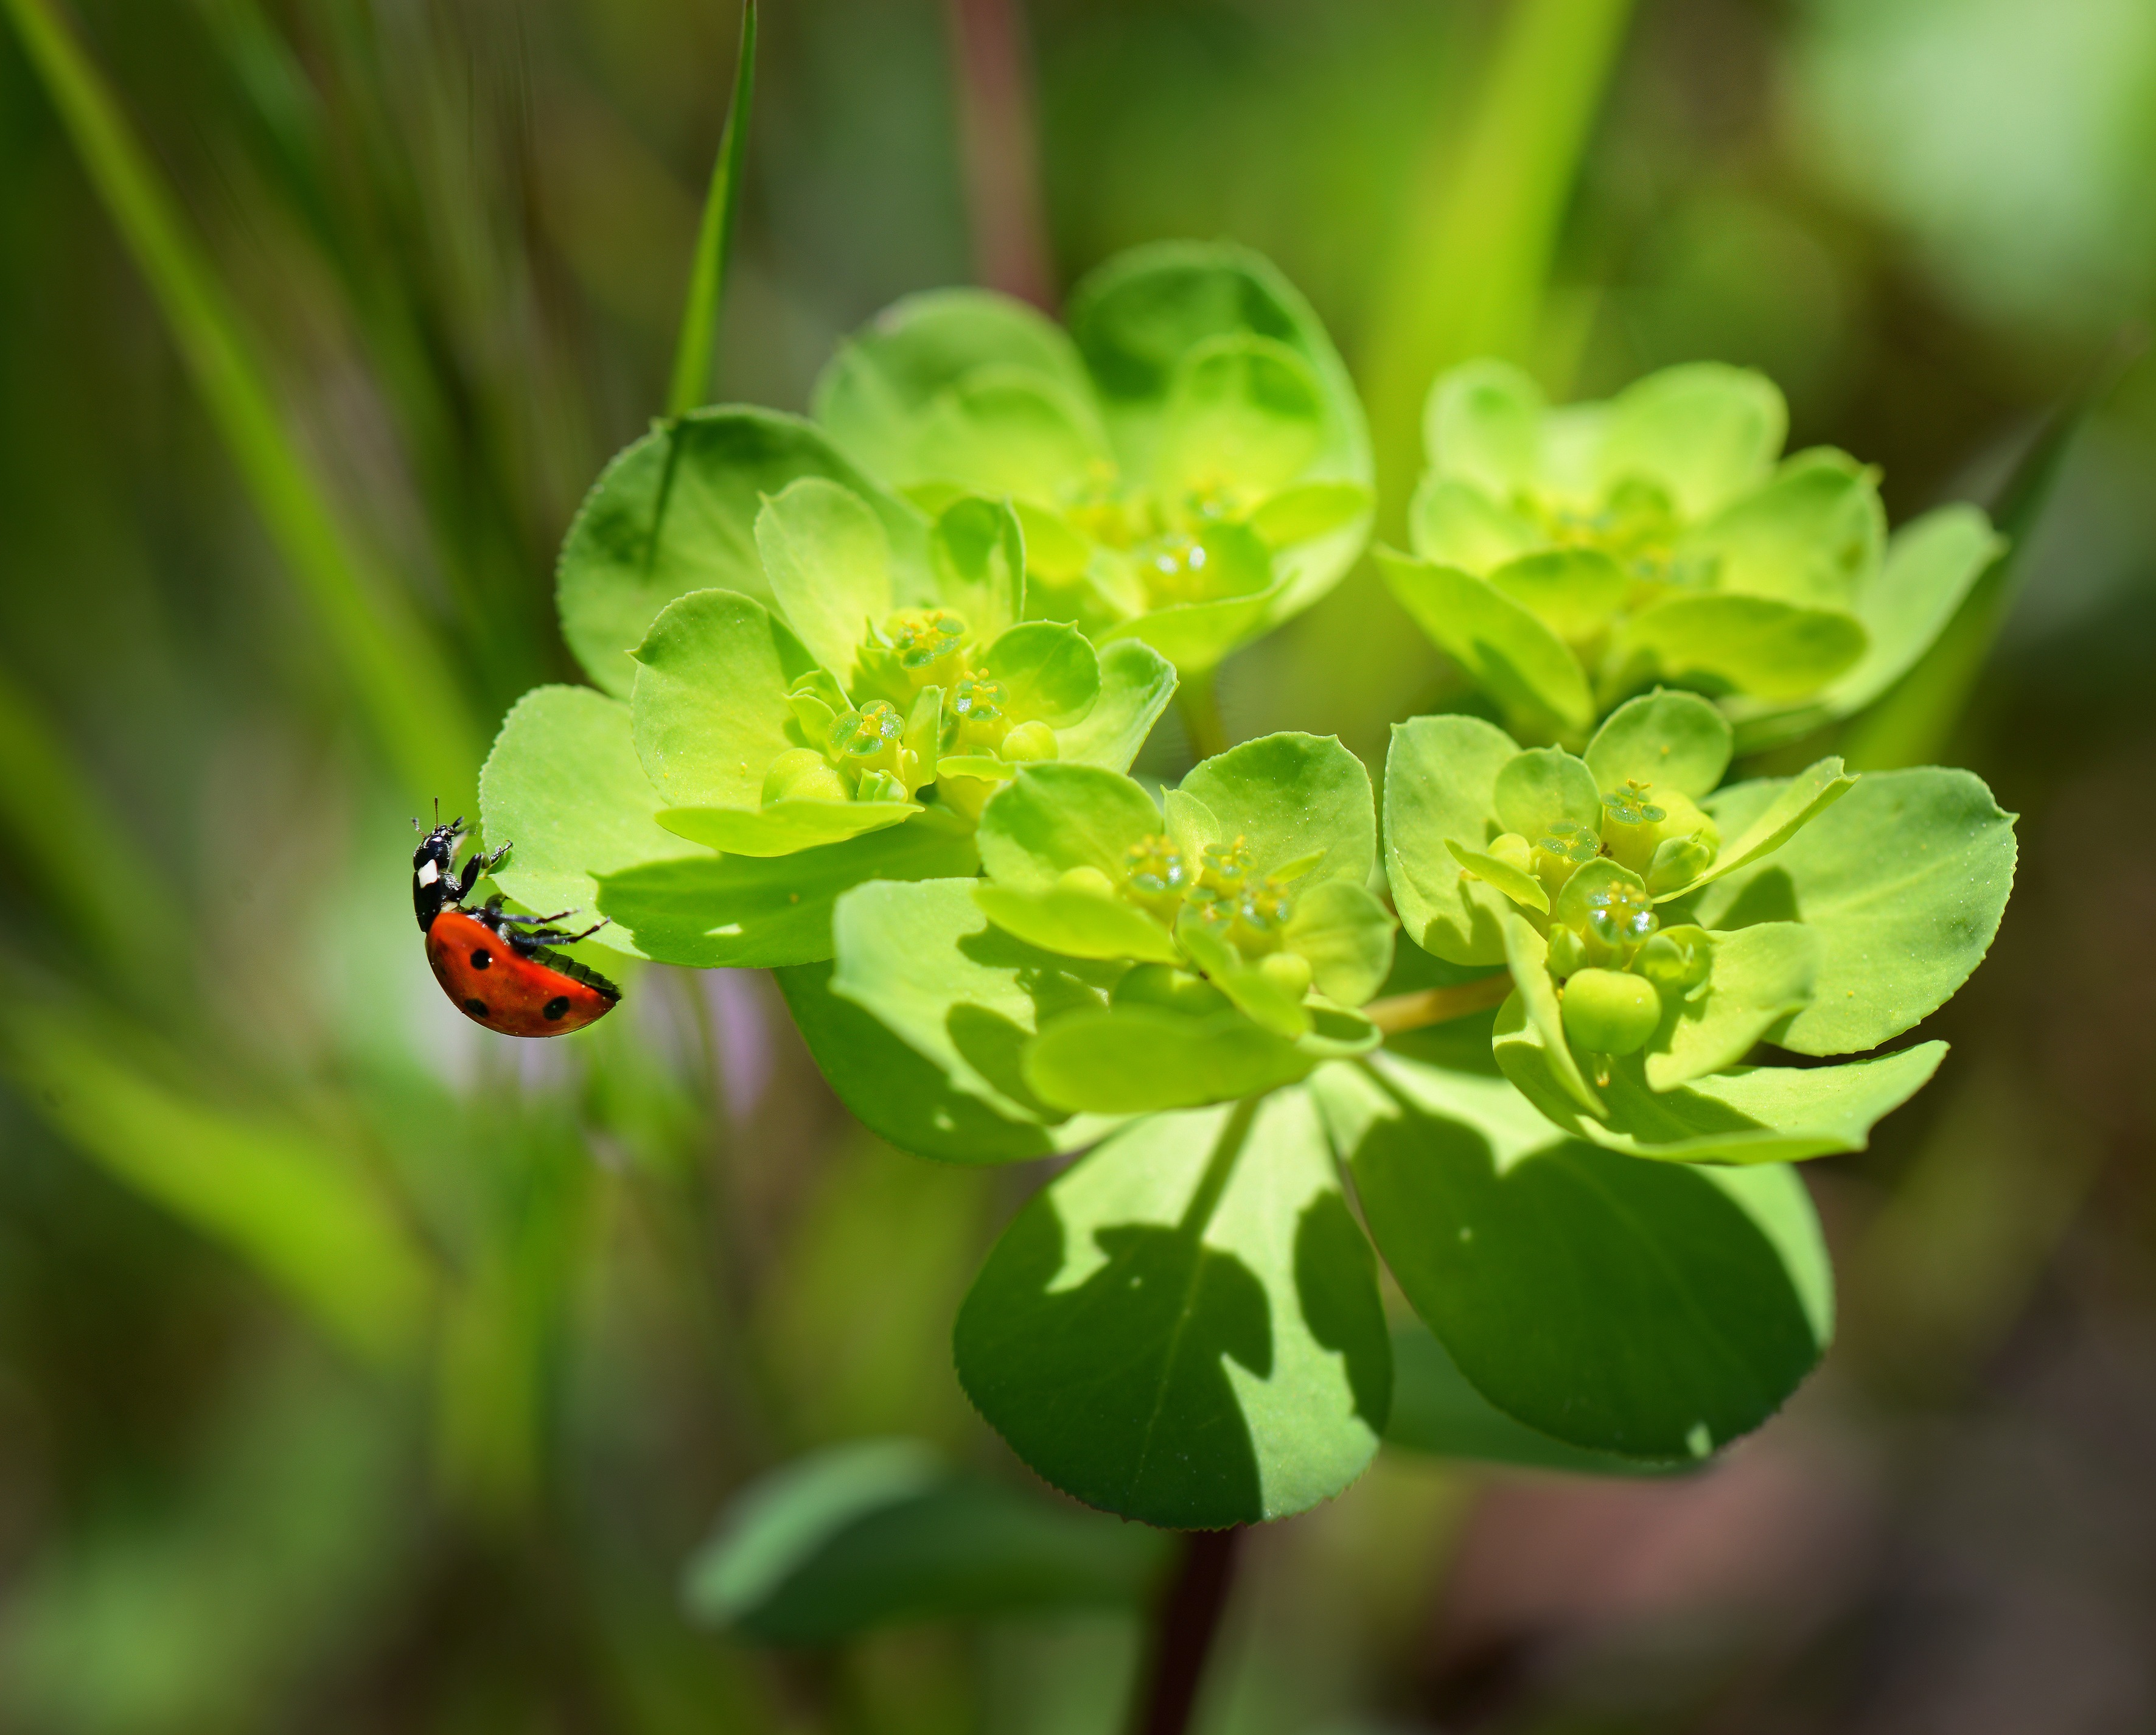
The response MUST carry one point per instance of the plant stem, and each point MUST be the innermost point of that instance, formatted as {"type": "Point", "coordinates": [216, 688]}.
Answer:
{"type": "Point", "coordinates": [1438, 1005]}
{"type": "Point", "coordinates": [391, 661]}
{"type": "Point", "coordinates": [1002, 157]}
{"type": "Point", "coordinates": [1184, 1626]}
{"type": "Point", "coordinates": [692, 381]}
{"type": "Point", "coordinates": [1198, 702]}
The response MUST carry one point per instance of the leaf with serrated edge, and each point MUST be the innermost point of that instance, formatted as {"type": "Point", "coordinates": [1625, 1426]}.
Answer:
{"type": "Point", "coordinates": [1904, 880]}
{"type": "Point", "coordinates": [1185, 1328]}
{"type": "Point", "coordinates": [1645, 1309]}
{"type": "Point", "coordinates": [1440, 788]}
{"type": "Point", "coordinates": [1760, 976]}
{"type": "Point", "coordinates": [1665, 740]}
{"type": "Point", "coordinates": [1800, 801]}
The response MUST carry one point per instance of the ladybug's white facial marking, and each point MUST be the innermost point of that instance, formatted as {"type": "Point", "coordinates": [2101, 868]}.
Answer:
{"type": "Point", "coordinates": [429, 871]}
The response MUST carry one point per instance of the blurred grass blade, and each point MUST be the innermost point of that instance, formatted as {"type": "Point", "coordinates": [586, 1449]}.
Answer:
{"type": "Point", "coordinates": [71, 847]}
{"type": "Point", "coordinates": [715, 239]}
{"type": "Point", "coordinates": [1474, 259]}
{"type": "Point", "coordinates": [1916, 720]}
{"type": "Point", "coordinates": [394, 666]}
{"type": "Point", "coordinates": [297, 1209]}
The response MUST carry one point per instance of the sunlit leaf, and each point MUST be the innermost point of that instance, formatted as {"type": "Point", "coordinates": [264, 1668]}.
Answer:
{"type": "Point", "coordinates": [1502, 647]}
{"type": "Point", "coordinates": [1904, 880]}
{"type": "Point", "coordinates": [1184, 1328]}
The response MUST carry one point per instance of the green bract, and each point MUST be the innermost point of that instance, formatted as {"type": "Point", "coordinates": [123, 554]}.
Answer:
{"type": "Point", "coordinates": [870, 691]}
{"type": "Point", "coordinates": [1657, 932]}
{"type": "Point", "coordinates": [854, 721]}
{"type": "Point", "coordinates": [1568, 557]}
{"type": "Point", "coordinates": [1189, 462]}
{"type": "Point", "coordinates": [1224, 935]}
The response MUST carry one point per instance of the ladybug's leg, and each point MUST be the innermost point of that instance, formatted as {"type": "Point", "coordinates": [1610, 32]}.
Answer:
{"type": "Point", "coordinates": [479, 862]}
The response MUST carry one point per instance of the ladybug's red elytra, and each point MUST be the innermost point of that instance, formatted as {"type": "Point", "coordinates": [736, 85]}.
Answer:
{"type": "Point", "coordinates": [497, 967]}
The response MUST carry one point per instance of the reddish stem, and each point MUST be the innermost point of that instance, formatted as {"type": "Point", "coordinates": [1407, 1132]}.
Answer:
{"type": "Point", "coordinates": [1184, 1630]}
{"type": "Point", "coordinates": [1002, 157]}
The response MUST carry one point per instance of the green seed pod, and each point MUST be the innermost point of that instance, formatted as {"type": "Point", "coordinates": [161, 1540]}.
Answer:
{"type": "Point", "coordinates": [1030, 742]}
{"type": "Point", "coordinates": [1567, 952]}
{"type": "Point", "coordinates": [1610, 1012]}
{"type": "Point", "coordinates": [1288, 971]}
{"type": "Point", "coordinates": [1677, 862]}
{"type": "Point", "coordinates": [1513, 850]}
{"type": "Point", "coordinates": [804, 774]}
{"type": "Point", "coordinates": [1090, 881]}
{"type": "Point", "coordinates": [1165, 986]}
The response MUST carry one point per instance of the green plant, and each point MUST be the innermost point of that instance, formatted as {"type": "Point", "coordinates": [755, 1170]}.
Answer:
{"type": "Point", "coordinates": [999, 944]}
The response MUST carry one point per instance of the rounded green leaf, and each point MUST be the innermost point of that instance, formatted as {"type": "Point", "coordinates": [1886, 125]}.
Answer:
{"type": "Point", "coordinates": [1137, 682]}
{"type": "Point", "coordinates": [1052, 818]}
{"type": "Point", "coordinates": [563, 785]}
{"type": "Point", "coordinates": [1501, 646]}
{"type": "Point", "coordinates": [676, 512]}
{"type": "Point", "coordinates": [1309, 509]}
{"type": "Point", "coordinates": [782, 827]}
{"type": "Point", "coordinates": [827, 561]}
{"type": "Point", "coordinates": [1052, 673]}
{"type": "Point", "coordinates": [1137, 316]}
{"type": "Point", "coordinates": [1137, 1059]}
{"type": "Point", "coordinates": [1929, 566]}
{"type": "Point", "coordinates": [1904, 880]}
{"type": "Point", "coordinates": [1347, 936]}
{"type": "Point", "coordinates": [1243, 412]}
{"type": "Point", "coordinates": [1440, 789]}
{"type": "Point", "coordinates": [886, 378]}
{"type": "Point", "coordinates": [1704, 433]}
{"type": "Point", "coordinates": [1185, 1328]}
{"type": "Point", "coordinates": [1076, 922]}
{"type": "Point", "coordinates": [928, 967]}
{"type": "Point", "coordinates": [1667, 740]}
{"type": "Point", "coordinates": [878, 1532]}
{"type": "Point", "coordinates": [1723, 644]}
{"type": "Point", "coordinates": [1759, 977]}
{"type": "Point", "coordinates": [1646, 1309]}
{"type": "Point", "coordinates": [1813, 536]}
{"type": "Point", "coordinates": [1436, 1409]}
{"type": "Point", "coordinates": [1574, 592]}
{"type": "Point", "coordinates": [710, 710]}
{"type": "Point", "coordinates": [1452, 523]}
{"type": "Point", "coordinates": [1483, 423]}
{"type": "Point", "coordinates": [1290, 796]}
{"type": "Point", "coordinates": [704, 910]}
{"type": "Point", "coordinates": [1546, 787]}
{"type": "Point", "coordinates": [1746, 1115]}
{"type": "Point", "coordinates": [977, 554]}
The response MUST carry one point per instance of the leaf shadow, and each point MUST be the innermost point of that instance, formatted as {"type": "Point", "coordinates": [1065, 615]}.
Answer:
{"type": "Point", "coordinates": [1620, 1305]}
{"type": "Point", "coordinates": [1335, 1285]}
{"type": "Point", "coordinates": [1117, 1390]}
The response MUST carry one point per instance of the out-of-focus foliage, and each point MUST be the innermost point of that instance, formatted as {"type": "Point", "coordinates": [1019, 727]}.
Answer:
{"type": "Point", "coordinates": [458, 236]}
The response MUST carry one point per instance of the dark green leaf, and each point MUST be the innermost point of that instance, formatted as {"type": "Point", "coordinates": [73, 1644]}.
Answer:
{"type": "Point", "coordinates": [1184, 1328]}
{"type": "Point", "coordinates": [877, 1533]}
{"type": "Point", "coordinates": [676, 512]}
{"type": "Point", "coordinates": [1643, 1309]}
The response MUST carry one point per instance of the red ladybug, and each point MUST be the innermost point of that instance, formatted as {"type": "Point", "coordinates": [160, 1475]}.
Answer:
{"type": "Point", "coordinates": [495, 966]}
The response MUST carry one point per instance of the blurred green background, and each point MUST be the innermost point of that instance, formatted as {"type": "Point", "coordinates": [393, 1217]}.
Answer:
{"type": "Point", "coordinates": [360, 1371]}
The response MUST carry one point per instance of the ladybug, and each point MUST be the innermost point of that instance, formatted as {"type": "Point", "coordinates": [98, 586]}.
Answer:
{"type": "Point", "coordinates": [496, 967]}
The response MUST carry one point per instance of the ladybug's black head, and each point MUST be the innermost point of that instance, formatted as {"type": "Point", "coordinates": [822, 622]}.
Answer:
{"type": "Point", "coordinates": [434, 885]}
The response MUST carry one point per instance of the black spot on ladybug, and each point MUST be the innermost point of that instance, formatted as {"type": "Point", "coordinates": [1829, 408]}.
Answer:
{"type": "Point", "coordinates": [477, 1009]}
{"type": "Point", "coordinates": [481, 958]}
{"type": "Point", "coordinates": [557, 1007]}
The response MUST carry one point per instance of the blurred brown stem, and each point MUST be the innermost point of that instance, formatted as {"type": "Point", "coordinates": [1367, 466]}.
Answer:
{"type": "Point", "coordinates": [1001, 153]}
{"type": "Point", "coordinates": [1184, 1626]}
{"type": "Point", "coordinates": [1438, 1005]}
